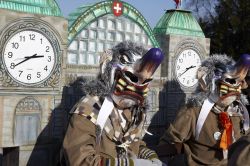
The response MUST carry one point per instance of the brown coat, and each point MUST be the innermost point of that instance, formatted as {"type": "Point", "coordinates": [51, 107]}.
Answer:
{"type": "Point", "coordinates": [205, 150]}
{"type": "Point", "coordinates": [79, 144]}
{"type": "Point", "coordinates": [239, 152]}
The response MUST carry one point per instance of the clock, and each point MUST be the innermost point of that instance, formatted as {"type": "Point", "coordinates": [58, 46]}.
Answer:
{"type": "Point", "coordinates": [186, 66]}
{"type": "Point", "coordinates": [29, 57]}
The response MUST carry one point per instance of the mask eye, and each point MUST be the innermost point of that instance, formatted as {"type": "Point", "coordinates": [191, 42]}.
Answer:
{"type": "Point", "coordinates": [147, 80]}
{"type": "Point", "coordinates": [124, 59]}
{"type": "Point", "coordinates": [230, 81]}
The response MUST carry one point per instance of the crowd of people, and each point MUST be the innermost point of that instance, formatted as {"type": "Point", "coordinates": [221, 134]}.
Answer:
{"type": "Point", "coordinates": [107, 125]}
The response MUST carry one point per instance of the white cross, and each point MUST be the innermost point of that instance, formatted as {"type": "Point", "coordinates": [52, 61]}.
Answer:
{"type": "Point", "coordinates": [117, 8]}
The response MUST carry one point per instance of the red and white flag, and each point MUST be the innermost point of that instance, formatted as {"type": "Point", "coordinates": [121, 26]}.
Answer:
{"type": "Point", "coordinates": [117, 8]}
{"type": "Point", "coordinates": [178, 3]}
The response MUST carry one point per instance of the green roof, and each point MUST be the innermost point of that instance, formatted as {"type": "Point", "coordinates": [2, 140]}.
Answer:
{"type": "Point", "coordinates": [45, 7]}
{"type": "Point", "coordinates": [74, 15]}
{"type": "Point", "coordinates": [178, 22]}
{"type": "Point", "coordinates": [86, 14]}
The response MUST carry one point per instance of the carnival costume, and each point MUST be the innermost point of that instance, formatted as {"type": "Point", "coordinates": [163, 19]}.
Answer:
{"type": "Point", "coordinates": [215, 116]}
{"type": "Point", "coordinates": [107, 125]}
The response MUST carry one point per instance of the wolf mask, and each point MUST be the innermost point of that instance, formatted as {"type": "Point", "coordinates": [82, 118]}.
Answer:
{"type": "Point", "coordinates": [222, 78]}
{"type": "Point", "coordinates": [127, 70]}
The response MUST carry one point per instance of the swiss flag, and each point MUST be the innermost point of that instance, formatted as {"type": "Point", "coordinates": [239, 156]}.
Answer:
{"type": "Point", "coordinates": [117, 8]}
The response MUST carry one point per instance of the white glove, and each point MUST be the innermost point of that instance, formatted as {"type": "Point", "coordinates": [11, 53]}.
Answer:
{"type": "Point", "coordinates": [144, 162]}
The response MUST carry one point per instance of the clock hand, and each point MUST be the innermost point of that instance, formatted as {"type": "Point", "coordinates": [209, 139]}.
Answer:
{"type": "Point", "coordinates": [188, 68]}
{"type": "Point", "coordinates": [28, 58]}
{"type": "Point", "coordinates": [36, 56]}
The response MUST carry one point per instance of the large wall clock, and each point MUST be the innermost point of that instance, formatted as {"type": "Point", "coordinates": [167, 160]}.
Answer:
{"type": "Point", "coordinates": [30, 55]}
{"type": "Point", "coordinates": [186, 66]}
{"type": "Point", "coordinates": [187, 58]}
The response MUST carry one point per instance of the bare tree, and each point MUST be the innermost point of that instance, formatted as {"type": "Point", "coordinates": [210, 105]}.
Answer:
{"type": "Point", "coordinates": [202, 9]}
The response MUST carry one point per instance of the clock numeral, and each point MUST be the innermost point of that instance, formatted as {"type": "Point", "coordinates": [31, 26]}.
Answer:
{"type": "Point", "coordinates": [187, 81]}
{"type": "Point", "coordinates": [10, 54]}
{"type": "Point", "coordinates": [189, 53]}
{"type": "Point", "coordinates": [183, 80]}
{"type": "Point", "coordinates": [32, 36]}
{"type": "Point", "coordinates": [41, 41]}
{"type": "Point", "coordinates": [184, 55]}
{"type": "Point", "coordinates": [49, 60]}
{"type": "Point", "coordinates": [15, 45]}
{"type": "Point", "coordinates": [12, 65]}
{"type": "Point", "coordinates": [46, 68]}
{"type": "Point", "coordinates": [29, 77]}
{"type": "Point", "coordinates": [47, 48]}
{"type": "Point", "coordinates": [22, 38]}
{"type": "Point", "coordinates": [178, 67]}
{"type": "Point", "coordinates": [20, 71]}
{"type": "Point", "coordinates": [180, 60]}
{"type": "Point", "coordinates": [38, 74]}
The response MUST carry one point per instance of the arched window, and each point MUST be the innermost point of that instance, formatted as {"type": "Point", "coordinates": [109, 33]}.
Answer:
{"type": "Point", "coordinates": [27, 121]}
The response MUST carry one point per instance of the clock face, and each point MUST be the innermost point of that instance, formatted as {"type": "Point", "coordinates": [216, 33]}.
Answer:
{"type": "Point", "coordinates": [186, 66]}
{"type": "Point", "coordinates": [29, 57]}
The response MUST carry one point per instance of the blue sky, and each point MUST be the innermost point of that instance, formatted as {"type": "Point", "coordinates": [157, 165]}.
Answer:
{"type": "Point", "coordinates": [152, 10]}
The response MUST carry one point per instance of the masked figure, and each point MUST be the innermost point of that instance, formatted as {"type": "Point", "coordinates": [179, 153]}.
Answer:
{"type": "Point", "coordinates": [107, 125]}
{"type": "Point", "coordinates": [215, 116]}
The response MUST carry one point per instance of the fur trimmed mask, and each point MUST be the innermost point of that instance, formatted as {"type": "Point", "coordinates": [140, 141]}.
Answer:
{"type": "Point", "coordinates": [223, 78]}
{"type": "Point", "coordinates": [127, 69]}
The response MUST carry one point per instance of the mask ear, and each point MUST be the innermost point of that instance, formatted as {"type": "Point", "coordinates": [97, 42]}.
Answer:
{"type": "Point", "coordinates": [244, 84]}
{"type": "Point", "coordinates": [105, 58]}
{"type": "Point", "coordinates": [201, 76]}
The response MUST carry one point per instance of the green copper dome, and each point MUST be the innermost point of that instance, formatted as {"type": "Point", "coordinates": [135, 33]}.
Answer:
{"type": "Point", "coordinates": [178, 22]}
{"type": "Point", "coordinates": [45, 7]}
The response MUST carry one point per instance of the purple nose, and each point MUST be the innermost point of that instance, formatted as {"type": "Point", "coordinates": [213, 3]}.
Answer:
{"type": "Point", "coordinates": [240, 69]}
{"type": "Point", "coordinates": [151, 60]}
{"type": "Point", "coordinates": [244, 60]}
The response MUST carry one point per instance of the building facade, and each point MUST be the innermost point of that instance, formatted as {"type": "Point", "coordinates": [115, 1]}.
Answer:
{"type": "Point", "coordinates": [33, 45]}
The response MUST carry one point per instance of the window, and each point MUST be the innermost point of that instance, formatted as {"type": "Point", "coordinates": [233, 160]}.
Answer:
{"type": "Point", "coordinates": [91, 60]}
{"type": "Point", "coordinates": [92, 46]}
{"type": "Point", "coordinates": [144, 39]}
{"type": "Point", "coordinates": [83, 46]}
{"type": "Point", "coordinates": [92, 34]}
{"type": "Point", "coordinates": [109, 45]}
{"type": "Point", "coordinates": [84, 34]}
{"type": "Point", "coordinates": [98, 58]}
{"type": "Point", "coordinates": [72, 58]}
{"type": "Point", "coordinates": [149, 42]}
{"type": "Point", "coordinates": [101, 35]}
{"type": "Point", "coordinates": [82, 59]}
{"type": "Point", "coordinates": [27, 121]}
{"type": "Point", "coordinates": [100, 47]}
{"type": "Point", "coordinates": [137, 29]}
{"type": "Point", "coordinates": [111, 24]}
{"type": "Point", "coordinates": [93, 24]}
{"type": "Point", "coordinates": [73, 45]}
{"type": "Point", "coordinates": [137, 38]}
{"type": "Point", "coordinates": [128, 27]}
{"type": "Point", "coordinates": [119, 37]}
{"type": "Point", "coordinates": [101, 23]}
{"type": "Point", "coordinates": [119, 25]}
{"type": "Point", "coordinates": [111, 36]}
{"type": "Point", "coordinates": [128, 37]}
